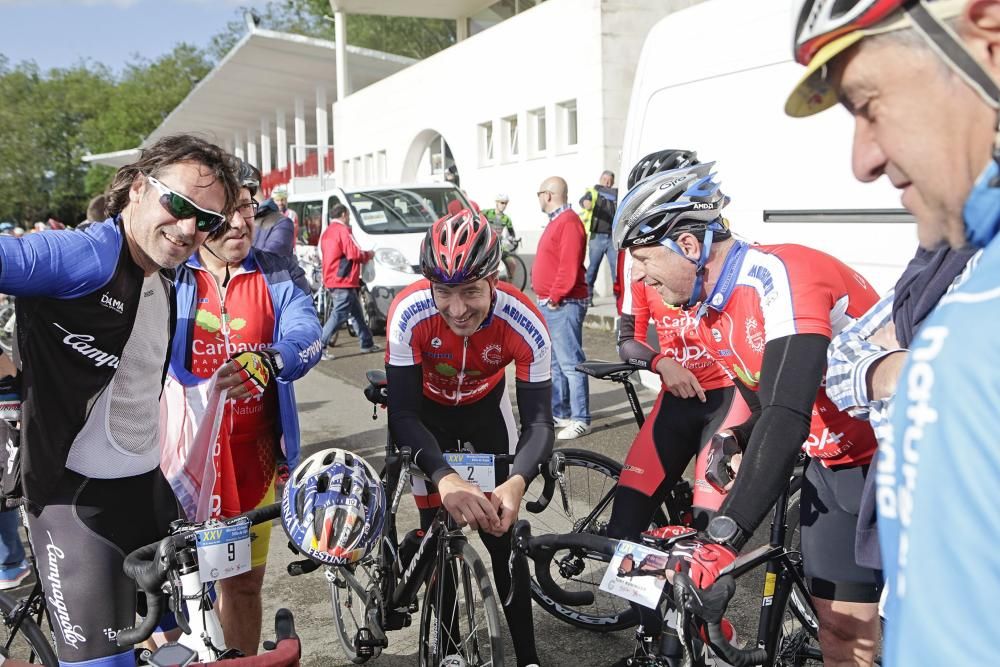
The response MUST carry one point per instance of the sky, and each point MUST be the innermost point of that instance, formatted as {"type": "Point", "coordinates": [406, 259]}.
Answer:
{"type": "Point", "coordinates": [61, 33]}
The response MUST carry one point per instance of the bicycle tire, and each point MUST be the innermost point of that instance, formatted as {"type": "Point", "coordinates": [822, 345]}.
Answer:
{"type": "Point", "coordinates": [466, 569]}
{"type": "Point", "coordinates": [28, 641]}
{"type": "Point", "coordinates": [589, 477]}
{"type": "Point", "coordinates": [7, 330]}
{"type": "Point", "coordinates": [349, 599]}
{"type": "Point", "coordinates": [517, 271]}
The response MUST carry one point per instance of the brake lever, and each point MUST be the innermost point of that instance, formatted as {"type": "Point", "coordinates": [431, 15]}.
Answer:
{"type": "Point", "coordinates": [177, 603]}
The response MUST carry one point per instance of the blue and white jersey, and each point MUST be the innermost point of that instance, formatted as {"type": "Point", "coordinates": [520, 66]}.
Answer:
{"type": "Point", "coordinates": [938, 477]}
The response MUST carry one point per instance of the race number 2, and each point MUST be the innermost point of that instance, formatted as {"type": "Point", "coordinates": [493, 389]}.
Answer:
{"type": "Point", "coordinates": [476, 468]}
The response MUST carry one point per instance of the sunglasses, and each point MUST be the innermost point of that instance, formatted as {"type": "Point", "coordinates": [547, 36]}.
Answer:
{"type": "Point", "coordinates": [182, 208]}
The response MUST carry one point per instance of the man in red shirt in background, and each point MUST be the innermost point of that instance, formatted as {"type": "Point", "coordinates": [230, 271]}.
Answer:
{"type": "Point", "coordinates": [557, 277]}
{"type": "Point", "coordinates": [342, 260]}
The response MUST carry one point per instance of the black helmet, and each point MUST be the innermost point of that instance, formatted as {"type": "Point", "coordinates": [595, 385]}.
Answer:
{"type": "Point", "coordinates": [248, 177]}
{"type": "Point", "coordinates": [665, 160]}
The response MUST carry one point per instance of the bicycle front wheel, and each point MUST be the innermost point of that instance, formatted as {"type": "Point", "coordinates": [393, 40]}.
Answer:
{"type": "Point", "coordinates": [460, 621]}
{"type": "Point", "coordinates": [24, 641]}
{"type": "Point", "coordinates": [582, 504]}
{"type": "Point", "coordinates": [349, 586]}
{"type": "Point", "coordinates": [793, 638]}
{"type": "Point", "coordinates": [517, 272]}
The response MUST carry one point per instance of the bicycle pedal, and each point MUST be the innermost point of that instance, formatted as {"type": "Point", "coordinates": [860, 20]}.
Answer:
{"type": "Point", "coordinates": [366, 645]}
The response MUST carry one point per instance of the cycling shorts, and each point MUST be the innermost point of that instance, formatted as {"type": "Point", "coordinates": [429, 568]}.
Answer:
{"type": "Point", "coordinates": [486, 426]}
{"type": "Point", "coordinates": [81, 538]}
{"type": "Point", "coordinates": [831, 499]}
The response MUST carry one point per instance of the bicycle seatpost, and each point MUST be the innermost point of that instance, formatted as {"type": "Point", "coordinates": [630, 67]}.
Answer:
{"type": "Point", "coordinates": [633, 400]}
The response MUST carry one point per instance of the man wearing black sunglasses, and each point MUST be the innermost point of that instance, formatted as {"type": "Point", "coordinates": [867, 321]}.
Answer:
{"type": "Point", "coordinates": [94, 312]}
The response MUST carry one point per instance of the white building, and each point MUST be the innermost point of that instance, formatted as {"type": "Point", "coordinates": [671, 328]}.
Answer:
{"type": "Point", "coordinates": [530, 90]}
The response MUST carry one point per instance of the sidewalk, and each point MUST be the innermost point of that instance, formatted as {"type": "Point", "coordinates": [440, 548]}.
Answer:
{"type": "Point", "coordinates": [602, 315]}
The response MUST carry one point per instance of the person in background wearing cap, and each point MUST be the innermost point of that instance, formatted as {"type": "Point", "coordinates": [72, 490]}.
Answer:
{"type": "Point", "coordinates": [280, 197]}
{"type": "Point", "coordinates": [499, 220]}
{"type": "Point", "coordinates": [928, 69]}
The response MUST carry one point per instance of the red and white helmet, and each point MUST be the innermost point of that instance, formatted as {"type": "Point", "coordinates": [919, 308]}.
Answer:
{"type": "Point", "coordinates": [459, 248]}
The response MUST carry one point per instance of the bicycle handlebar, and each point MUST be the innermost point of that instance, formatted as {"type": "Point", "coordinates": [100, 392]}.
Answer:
{"type": "Point", "coordinates": [542, 549]}
{"type": "Point", "coordinates": [550, 474]}
{"type": "Point", "coordinates": [150, 566]}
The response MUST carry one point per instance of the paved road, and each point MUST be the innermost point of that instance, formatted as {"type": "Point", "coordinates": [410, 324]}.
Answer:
{"type": "Point", "coordinates": [335, 414]}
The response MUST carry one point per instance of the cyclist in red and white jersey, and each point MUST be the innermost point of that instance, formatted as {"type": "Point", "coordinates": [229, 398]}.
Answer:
{"type": "Point", "coordinates": [450, 339]}
{"type": "Point", "coordinates": [767, 316]}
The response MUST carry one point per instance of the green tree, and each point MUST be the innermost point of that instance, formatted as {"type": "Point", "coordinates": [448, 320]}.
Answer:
{"type": "Point", "coordinates": [412, 37]}
{"type": "Point", "coordinates": [50, 121]}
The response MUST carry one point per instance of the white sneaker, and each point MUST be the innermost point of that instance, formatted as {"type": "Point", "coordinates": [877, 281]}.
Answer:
{"type": "Point", "coordinates": [573, 430]}
{"type": "Point", "coordinates": [561, 422]}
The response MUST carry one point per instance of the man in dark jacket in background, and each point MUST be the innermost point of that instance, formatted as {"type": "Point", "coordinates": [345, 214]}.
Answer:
{"type": "Point", "coordinates": [604, 203]}
{"type": "Point", "coordinates": [274, 232]}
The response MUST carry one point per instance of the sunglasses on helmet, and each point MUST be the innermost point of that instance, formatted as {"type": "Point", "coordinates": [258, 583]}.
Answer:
{"type": "Point", "coordinates": [822, 21]}
{"type": "Point", "coordinates": [182, 208]}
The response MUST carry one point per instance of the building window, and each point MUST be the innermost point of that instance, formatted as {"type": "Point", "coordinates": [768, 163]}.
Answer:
{"type": "Point", "coordinates": [356, 173]}
{"type": "Point", "coordinates": [510, 136]}
{"type": "Point", "coordinates": [566, 112]}
{"type": "Point", "coordinates": [345, 170]}
{"type": "Point", "coordinates": [537, 128]}
{"type": "Point", "coordinates": [486, 143]}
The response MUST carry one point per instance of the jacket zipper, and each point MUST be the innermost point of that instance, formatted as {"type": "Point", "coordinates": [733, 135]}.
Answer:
{"type": "Point", "coordinates": [461, 373]}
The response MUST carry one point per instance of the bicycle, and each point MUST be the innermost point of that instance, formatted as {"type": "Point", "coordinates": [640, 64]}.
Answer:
{"type": "Point", "coordinates": [787, 629]}
{"type": "Point", "coordinates": [170, 568]}
{"type": "Point", "coordinates": [586, 482]}
{"type": "Point", "coordinates": [459, 616]}
{"type": "Point", "coordinates": [8, 325]}
{"type": "Point", "coordinates": [517, 270]}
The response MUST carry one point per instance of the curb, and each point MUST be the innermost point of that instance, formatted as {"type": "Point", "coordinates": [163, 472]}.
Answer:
{"type": "Point", "coordinates": [601, 321]}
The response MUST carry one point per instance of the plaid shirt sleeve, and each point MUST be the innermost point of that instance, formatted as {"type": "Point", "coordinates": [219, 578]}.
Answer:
{"type": "Point", "coordinates": [849, 357]}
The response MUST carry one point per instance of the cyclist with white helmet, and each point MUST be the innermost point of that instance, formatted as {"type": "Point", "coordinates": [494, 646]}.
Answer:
{"type": "Point", "coordinates": [928, 68]}
{"type": "Point", "coordinates": [497, 217]}
{"type": "Point", "coordinates": [767, 314]}
{"type": "Point", "coordinates": [450, 338]}
{"type": "Point", "coordinates": [695, 401]}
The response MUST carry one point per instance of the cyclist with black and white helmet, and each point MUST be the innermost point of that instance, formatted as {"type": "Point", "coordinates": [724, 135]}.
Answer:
{"type": "Point", "coordinates": [450, 339]}
{"type": "Point", "coordinates": [766, 315]}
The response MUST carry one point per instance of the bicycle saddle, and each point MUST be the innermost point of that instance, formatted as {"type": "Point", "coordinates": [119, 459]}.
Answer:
{"type": "Point", "coordinates": [603, 369]}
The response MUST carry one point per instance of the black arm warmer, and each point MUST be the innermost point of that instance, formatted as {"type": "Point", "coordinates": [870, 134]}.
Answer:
{"type": "Point", "coordinates": [743, 431]}
{"type": "Point", "coordinates": [534, 446]}
{"type": "Point", "coordinates": [630, 348]}
{"type": "Point", "coordinates": [405, 395]}
{"type": "Point", "coordinates": [790, 377]}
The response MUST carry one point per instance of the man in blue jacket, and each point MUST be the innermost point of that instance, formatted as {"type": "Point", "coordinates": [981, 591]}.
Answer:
{"type": "Point", "coordinates": [94, 314]}
{"type": "Point", "coordinates": [245, 316]}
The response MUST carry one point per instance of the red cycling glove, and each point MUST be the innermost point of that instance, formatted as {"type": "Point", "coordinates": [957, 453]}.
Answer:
{"type": "Point", "coordinates": [256, 369]}
{"type": "Point", "coordinates": [700, 560]}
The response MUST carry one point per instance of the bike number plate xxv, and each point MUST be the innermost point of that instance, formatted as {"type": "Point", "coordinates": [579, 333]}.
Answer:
{"type": "Point", "coordinates": [224, 551]}
{"type": "Point", "coordinates": [479, 469]}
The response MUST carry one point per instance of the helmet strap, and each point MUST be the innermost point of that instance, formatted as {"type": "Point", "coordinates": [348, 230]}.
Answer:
{"type": "Point", "coordinates": [699, 264]}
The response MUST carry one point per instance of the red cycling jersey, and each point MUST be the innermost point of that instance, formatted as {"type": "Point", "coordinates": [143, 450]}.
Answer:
{"type": "Point", "coordinates": [676, 330]}
{"type": "Point", "coordinates": [769, 292]}
{"type": "Point", "coordinates": [458, 370]}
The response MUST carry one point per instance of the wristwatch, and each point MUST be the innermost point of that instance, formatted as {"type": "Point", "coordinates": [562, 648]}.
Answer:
{"type": "Point", "coordinates": [724, 530]}
{"type": "Point", "coordinates": [279, 364]}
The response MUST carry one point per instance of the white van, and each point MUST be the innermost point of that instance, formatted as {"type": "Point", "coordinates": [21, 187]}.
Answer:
{"type": "Point", "coordinates": [391, 221]}
{"type": "Point", "coordinates": [714, 78]}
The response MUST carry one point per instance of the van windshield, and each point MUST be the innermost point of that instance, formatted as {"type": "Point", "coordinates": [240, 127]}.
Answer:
{"type": "Point", "coordinates": [396, 210]}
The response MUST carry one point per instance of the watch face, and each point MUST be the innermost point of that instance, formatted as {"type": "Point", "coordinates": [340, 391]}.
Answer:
{"type": "Point", "coordinates": [722, 529]}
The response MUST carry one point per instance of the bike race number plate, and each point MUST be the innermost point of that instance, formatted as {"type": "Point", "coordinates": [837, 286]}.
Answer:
{"type": "Point", "coordinates": [476, 468]}
{"type": "Point", "coordinates": [636, 573]}
{"type": "Point", "coordinates": [224, 551]}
